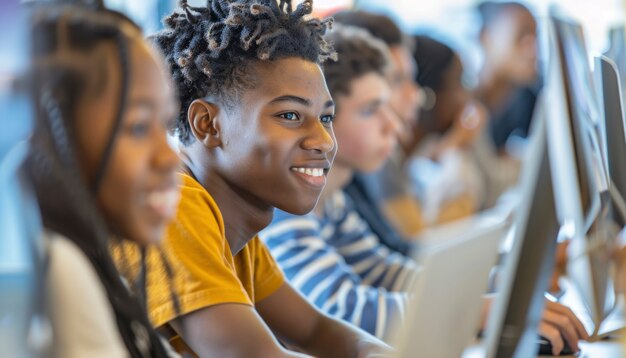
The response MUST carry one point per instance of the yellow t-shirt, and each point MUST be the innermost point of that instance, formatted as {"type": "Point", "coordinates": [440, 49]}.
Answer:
{"type": "Point", "coordinates": [205, 271]}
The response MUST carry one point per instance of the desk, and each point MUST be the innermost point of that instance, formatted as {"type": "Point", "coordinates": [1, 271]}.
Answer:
{"type": "Point", "coordinates": [601, 349]}
{"type": "Point", "coordinates": [611, 348]}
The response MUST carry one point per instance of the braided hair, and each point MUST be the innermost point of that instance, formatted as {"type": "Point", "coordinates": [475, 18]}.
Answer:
{"type": "Point", "coordinates": [210, 49]}
{"type": "Point", "coordinates": [64, 35]}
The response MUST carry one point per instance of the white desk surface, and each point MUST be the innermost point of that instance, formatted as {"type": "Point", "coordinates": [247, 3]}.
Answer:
{"type": "Point", "coordinates": [611, 348]}
{"type": "Point", "coordinates": [601, 349]}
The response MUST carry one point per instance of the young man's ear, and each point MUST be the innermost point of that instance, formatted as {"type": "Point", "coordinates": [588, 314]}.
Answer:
{"type": "Point", "coordinates": [202, 116]}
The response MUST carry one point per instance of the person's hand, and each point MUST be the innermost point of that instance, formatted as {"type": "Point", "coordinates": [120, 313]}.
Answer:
{"type": "Point", "coordinates": [466, 128]}
{"type": "Point", "coordinates": [559, 325]}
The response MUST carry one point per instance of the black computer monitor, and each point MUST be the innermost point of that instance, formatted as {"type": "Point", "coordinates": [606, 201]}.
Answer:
{"type": "Point", "coordinates": [610, 91]}
{"type": "Point", "coordinates": [513, 322]}
{"type": "Point", "coordinates": [617, 51]}
{"type": "Point", "coordinates": [584, 114]}
{"type": "Point", "coordinates": [590, 264]}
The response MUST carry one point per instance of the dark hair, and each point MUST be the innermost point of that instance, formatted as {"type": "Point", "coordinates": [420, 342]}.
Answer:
{"type": "Point", "coordinates": [433, 58]}
{"type": "Point", "coordinates": [380, 26]}
{"type": "Point", "coordinates": [358, 53]}
{"type": "Point", "coordinates": [489, 11]}
{"type": "Point", "coordinates": [63, 38]}
{"type": "Point", "coordinates": [210, 49]}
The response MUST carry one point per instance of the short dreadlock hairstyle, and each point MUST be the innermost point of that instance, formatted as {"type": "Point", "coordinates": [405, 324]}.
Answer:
{"type": "Point", "coordinates": [358, 54]}
{"type": "Point", "coordinates": [210, 49]}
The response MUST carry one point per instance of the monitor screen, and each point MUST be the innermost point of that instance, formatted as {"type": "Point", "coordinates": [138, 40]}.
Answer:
{"type": "Point", "coordinates": [589, 267]}
{"type": "Point", "coordinates": [584, 113]}
{"type": "Point", "coordinates": [512, 329]}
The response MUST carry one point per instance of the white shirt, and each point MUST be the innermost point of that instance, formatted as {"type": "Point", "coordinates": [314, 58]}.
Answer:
{"type": "Point", "coordinates": [80, 313]}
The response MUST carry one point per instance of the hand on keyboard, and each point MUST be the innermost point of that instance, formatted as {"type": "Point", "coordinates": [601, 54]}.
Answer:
{"type": "Point", "coordinates": [559, 325]}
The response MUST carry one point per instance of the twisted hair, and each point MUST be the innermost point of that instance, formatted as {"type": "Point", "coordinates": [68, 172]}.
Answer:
{"type": "Point", "coordinates": [210, 49]}
{"type": "Point", "coordinates": [358, 53]}
{"type": "Point", "coordinates": [63, 38]}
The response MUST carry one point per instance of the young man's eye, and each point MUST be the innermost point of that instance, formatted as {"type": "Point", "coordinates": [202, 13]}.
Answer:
{"type": "Point", "coordinates": [139, 128]}
{"type": "Point", "coordinates": [329, 118]}
{"type": "Point", "coordinates": [290, 116]}
{"type": "Point", "coordinates": [369, 111]}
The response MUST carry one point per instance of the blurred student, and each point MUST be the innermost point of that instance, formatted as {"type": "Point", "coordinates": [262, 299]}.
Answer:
{"type": "Point", "coordinates": [383, 198]}
{"type": "Point", "coordinates": [387, 199]}
{"type": "Point", "coordinates": [101, 168]}
{"type": "Point", "coordinates": [508, 81]}
{"type": "Point", "coordinates": [255, 128]}
{"type": "Point", "coordinates": [443, 174]}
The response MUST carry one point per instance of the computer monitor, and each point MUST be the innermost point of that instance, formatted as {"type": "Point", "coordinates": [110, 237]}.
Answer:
{"type": "Point", "coordinates": [584, 114]}
{"type": "Point", "coordinates": [583, 199]}
{"type": "Point", "coordinates": [610, 92]}
{"type": "Point", "coordinates": [617, 51]}
{"type": "Point", "coordinates": [513, 321]}
{"type": "Point", "coordinates": [455, 261]}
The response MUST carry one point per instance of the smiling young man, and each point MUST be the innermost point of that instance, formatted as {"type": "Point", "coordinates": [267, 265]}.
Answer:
{"type": "Point", "coordinates": [331, 255]}
{"type": "Point", "coordinates": [255, 129]}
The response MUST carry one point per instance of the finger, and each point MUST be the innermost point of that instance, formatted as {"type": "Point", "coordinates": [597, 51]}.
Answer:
{"type": "Point", "coordinates": [565, 327]}
{"type": "Point", "coordinates": [578, 325]}
{"type": "Point", "coordinates": [553, 335]}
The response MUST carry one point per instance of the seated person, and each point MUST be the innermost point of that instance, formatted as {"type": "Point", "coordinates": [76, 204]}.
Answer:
{"type": "Point", "coordinates": [101, 167]}
{"type": "Point", "coordinates": [255, 131]}
{"type": "Point", "coordinates": [443, 174]}
{"type": "Point", "coordinates": [508, 84]}
{"type": "Point", "coordinates": [331, 255]}
{"type": "Point", "coordinates": [385, 194]}
{"type": "Point", "coordinates": [508, 80]}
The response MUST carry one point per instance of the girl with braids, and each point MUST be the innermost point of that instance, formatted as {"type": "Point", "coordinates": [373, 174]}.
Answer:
{"type": "Point", "coordinates": [101, 167]}
{"type": "Point", "coordinates": [255, 129]}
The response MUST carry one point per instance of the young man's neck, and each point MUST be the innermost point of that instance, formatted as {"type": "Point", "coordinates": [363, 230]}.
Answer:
{"type": "Point", "coordinates": [493, 89]}
{"type": "Point", "coordinates": [338, 177]}
{"type": "Point", "coordinates": [244, 216]}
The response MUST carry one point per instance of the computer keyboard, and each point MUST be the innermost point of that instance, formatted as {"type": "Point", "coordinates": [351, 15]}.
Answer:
{"type": "Point", "coordinates": [545, 348]}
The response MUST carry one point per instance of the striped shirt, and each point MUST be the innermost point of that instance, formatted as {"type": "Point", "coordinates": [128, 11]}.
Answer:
{"type": "Point", "coordinates": [340, 265]}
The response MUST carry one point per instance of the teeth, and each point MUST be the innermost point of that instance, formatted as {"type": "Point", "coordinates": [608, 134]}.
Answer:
{"type": "Point", "coordinates": [314, 172]}
{"type": "Point", "coordinates": [165, 200]}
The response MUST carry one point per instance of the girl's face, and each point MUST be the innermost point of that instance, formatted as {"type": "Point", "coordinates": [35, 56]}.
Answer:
{"type": "Point", "coordinates": [366, 128]}
{"type": "Point", "coordinates": [138, 194]}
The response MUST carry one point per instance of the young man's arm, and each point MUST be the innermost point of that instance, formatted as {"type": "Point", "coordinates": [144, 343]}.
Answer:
{"type": "Point", "coordinates": [236, 330]}
{"type": "Point", "coordinates": [301, 325]}
{"type": "Point", "coordinates": [229, 330]}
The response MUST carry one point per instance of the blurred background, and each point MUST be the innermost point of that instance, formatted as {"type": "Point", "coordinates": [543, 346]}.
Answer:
{"type": "Point", "coordinates": [454, 20]}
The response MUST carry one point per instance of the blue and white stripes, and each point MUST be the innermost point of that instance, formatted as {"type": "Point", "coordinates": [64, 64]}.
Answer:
{"type": "Point", "coordinates": [340, 265]}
